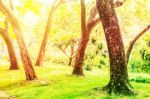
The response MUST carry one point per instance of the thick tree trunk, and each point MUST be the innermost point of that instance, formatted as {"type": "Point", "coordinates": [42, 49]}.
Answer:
{"type": "Point", "coordinates": [83, 42]}
{"type": "Point", "coordinates": [119, 83]}
{"type": "Point", "coordinates": [29, 71]}
{"type": "Point", "coordinates": [11, 51]}
{"type": "Point", "coordinates": [92, 22]}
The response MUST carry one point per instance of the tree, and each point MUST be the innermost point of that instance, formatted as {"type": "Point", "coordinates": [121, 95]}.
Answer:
{"type": "Point", "coordinates": [40, 57]}
{"type": "Point", "coordinates": [29, 70]}
{"type": "Point", "coordinates": [91, 23]}
{"type": "Point", "coordinates": [11, 51]}
{"type": "Point", "coordinates": [7, 39]}
{"type": "Point", "coordinates": [80, 54]}
{"type": "Point", "coordinates": [64, 45]}
{"type": "Point", "coordinates": [118, 83]}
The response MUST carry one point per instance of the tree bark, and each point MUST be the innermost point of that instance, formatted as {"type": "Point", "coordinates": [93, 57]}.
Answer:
{"type": "Point", "coordinates": [29, 71]}
{"type": "Point", "coordinates": [11, 51]}
{"type": "Point", "coordinates": [118, 83]}
{"type": "Point", "coordinates": [81, 49]}
{"type": "Point", "coordinates": [40, 58]}
{"type": "Point", "coordinates": [131, 45]}
{"type": "Point", "coordinates": [71, 55]}
{"type": "Point", "coordinates": [91, 23]}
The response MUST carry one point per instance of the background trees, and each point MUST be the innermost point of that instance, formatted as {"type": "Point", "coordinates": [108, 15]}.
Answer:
{"type": "Point", "coordinates": [69, 34]}
{"type": "Point", "coordinates": [11, 51]}
{"type": "Point", "coordinates": [29, 71]}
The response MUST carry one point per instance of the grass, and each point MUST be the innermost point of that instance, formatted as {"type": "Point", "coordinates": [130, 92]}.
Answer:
{"type": "Point", "coordinates": [56, 82]}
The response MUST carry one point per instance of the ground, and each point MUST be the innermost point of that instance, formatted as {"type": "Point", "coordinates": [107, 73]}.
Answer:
{"type": "Point", "coordinates": [56, 82]}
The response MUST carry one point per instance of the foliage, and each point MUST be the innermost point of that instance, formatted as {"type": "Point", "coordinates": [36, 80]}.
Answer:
{"type": "Point", "coordinates": [32, 16]}
{"type": "Point", "coordinates": [96, 52]}
{"type": "Point", "coordinates": [142, 61]}
{"type": "Point", "coordinates": [140, 79]}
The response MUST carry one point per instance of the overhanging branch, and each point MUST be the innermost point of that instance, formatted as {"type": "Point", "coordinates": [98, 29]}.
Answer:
{"type": "Point", "coordinates": [134, 41]}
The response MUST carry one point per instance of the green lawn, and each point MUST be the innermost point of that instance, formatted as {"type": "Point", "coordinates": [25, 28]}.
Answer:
{"type": "Point", "coordinates": [56, 82]}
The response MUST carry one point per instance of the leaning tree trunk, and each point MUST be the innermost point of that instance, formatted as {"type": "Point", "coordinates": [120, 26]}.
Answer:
{"type": "Point", "coordinates": [40, 58]}
{"type": "Point", "coordinates": [83, 42]}
{"type": "Point", "coordinates": [11, 51]}
{"type": "Point", "coordinates": [119, 83]}
{"type": "Point", "coordinates": [29, 70]}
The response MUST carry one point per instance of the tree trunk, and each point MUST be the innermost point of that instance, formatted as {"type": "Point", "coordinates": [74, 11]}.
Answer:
{"type": "Point", "coordinates": [29, 71]}
{"type": "Point", "coordinates": [11, 51]}
{"type": "Point", "coordinates": [40, 58]}
{"type": "Point", "coordinates": [83, 42]}
{"type": "Point", "coordinates": [92, 22]}
{"type": "Point", "coordinates": [71, 55]}
{"type": "Point", "coordinates": [118, 83]}
{"type": "Point", "coordinates": [70, 61]}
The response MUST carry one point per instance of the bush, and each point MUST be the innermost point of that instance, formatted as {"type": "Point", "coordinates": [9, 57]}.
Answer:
{"type": "Point", "coordinates": [140, 79]}
{"type": "Point", "coordinates": [88, 67]}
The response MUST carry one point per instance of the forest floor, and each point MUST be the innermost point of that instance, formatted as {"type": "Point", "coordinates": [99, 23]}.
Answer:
{"type": "Point", "coordinates": [56, 82]}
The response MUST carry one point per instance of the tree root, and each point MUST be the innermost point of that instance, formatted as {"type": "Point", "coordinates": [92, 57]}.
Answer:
{"type": "Point", "coordinates": [122, 89]}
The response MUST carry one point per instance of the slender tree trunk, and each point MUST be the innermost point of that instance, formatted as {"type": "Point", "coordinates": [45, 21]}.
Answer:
{"type": "Point", "coordinates": [40, 58]}
{"type": "Point", "coordinates": [70, 61]}
{"type": "Point", "coordinates": [71, 55]}
{"type": "Point", "coordinates": [81, 49]}
{"type": "Point", "coordinates": [29, 71]}
{"type": "Point", "coordinates": [118, 83]}
{"type": "Point", "coordinates": [11, 51]}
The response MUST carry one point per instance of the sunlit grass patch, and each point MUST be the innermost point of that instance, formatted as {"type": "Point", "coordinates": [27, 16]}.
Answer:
{"type": "Point", "coordinates": [56, 82]}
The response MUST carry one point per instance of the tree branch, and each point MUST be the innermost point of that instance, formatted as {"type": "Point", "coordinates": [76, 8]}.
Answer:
{"type": "Point", "coordinates": [56, 4]}
{"type": "Point", "coordinates": [119, 3]}
{"type": "Point", "coordinates": [63, 50]}
{"type": "Point", "coordinates": [134, 41]}
{"type": "Point", "coordinates": [93, 21]}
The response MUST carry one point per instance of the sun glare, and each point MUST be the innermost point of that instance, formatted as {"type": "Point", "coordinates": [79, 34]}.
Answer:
{"type": "Point", "coordinates": [16, 2]}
